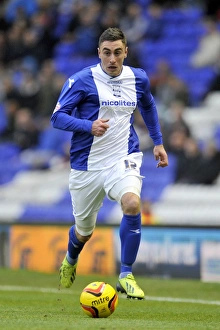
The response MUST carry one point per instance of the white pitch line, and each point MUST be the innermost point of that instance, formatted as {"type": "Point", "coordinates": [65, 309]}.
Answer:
{"type": "Point", "coordinates": [152, 298]}
{"type": "Point", "coordinates": [184, 300]}
{"type": "Point", "coordinates": [32, 289]}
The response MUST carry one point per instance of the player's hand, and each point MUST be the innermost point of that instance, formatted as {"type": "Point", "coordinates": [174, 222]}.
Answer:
{"type": "Point", "coordinates": [160, 155]}
{"type": "Point", "coordinates": [99, 127]}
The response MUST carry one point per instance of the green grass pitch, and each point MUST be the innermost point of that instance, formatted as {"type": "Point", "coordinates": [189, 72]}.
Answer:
{"type": "Point", "coordinates": [32, 301]}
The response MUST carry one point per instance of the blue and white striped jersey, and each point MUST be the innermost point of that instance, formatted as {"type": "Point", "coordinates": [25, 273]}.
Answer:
{"type": "Point", "coordinates": [91, 94]}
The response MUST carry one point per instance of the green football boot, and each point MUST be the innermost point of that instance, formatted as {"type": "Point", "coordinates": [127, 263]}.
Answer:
{"type": "Point", "coordinates": [129, 286]}
{"type": "Point", "coordinates": [67, 273]}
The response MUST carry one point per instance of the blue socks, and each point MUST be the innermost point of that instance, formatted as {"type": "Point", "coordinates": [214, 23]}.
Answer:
{"type": "Point", "coordinates": [130, 235]}
{"type": "Point", "coordinates": [74, 247]}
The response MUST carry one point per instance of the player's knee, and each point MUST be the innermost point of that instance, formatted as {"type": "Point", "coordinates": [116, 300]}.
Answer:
{"type": "Point", "coordinates": [130, 204]}
{"type": "Point", "coordinates": [82, 238]}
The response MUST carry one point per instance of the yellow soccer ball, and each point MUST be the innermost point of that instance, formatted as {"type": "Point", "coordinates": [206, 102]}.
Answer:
{"type": "Point", "coordinates": [98, 299]}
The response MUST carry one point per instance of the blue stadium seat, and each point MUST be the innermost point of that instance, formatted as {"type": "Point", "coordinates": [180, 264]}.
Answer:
{"type": "Point", "coordinates": [10, 163]}
{"type": "Point", "coordinates": [46, 214]}
{"type": "Point", "coordinates": [54, 140]}
{"type": "Point", "coordinates": [63, 50]}
{"type": "Point", "coordinates": [8, 151]}
{"type": "Point", "coordinates": [3, 118]}
{"type": "Point", "coordinates": [156, 179]}
{"type": "Point", "coordinates": [62, 24]}
{"type": "Point", "coordinates": [217, 136]}
{"type": "Point", "coordinates": [176, 15]}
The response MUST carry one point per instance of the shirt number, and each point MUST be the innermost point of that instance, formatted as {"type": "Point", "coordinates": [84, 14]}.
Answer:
{"type": "Point", "coordinates": [129, 165]}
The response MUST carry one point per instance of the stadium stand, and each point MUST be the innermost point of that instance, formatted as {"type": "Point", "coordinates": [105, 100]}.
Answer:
{"type": "Point", "coordinates": [203, 120]}
{"type": "Point", "coordinates": [189, 205]}
{"type": "Point", "coordinates": [28, 194]}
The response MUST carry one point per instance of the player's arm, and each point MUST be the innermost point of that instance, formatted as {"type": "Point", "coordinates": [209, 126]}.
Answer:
{"type": "Point", "coordinates": [62, 117]}
{"type": "Point", "coordinates": [151, 120]}
{"type": "Point", "coordinates": [149, 113]}
{"type": "Point", "coordinates": [66, 122]}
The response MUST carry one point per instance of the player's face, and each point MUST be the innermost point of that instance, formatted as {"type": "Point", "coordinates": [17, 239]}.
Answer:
{"type": "Point", "coordinates": [112, 55]}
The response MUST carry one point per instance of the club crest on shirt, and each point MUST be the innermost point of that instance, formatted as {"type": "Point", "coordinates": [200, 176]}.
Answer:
{"type": "Point", "coordinates": [116, 87]}
{"type": "Point", "coordinates": [116, 90]}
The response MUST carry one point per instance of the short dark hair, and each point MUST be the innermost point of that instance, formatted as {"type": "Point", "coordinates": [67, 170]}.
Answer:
{"type": "Point", "coordinates": [112, 34]}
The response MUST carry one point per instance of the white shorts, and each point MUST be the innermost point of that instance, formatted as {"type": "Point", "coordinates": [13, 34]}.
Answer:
{"type": "Point", "coordinates": [88, 189]}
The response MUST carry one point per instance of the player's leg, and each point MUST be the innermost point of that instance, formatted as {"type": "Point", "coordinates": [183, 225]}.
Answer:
{"type": "Point", "coordinates": [87, 196]}
{"type": "Point", "coordinates": [130, 231]}
{"type": "Point", "coordinates": [75, 245]}
{"type": "Point", "coordinates": [130, 236]}
{"type": "Point", "coordinates": [126, 191]}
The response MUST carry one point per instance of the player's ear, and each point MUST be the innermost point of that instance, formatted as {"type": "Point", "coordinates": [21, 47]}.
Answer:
{"type": "Point", "coordinates": [126, 52]}
{"type": "Point", "coordinates": [98, 52]}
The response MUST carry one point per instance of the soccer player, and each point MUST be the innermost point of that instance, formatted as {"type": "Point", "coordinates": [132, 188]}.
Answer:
{"type": "Point", "coordinates": [97, 104]}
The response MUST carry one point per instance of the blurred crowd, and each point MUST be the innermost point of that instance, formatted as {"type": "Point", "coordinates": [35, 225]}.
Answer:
{"type": "Point", "coordinates": [34, 32]}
